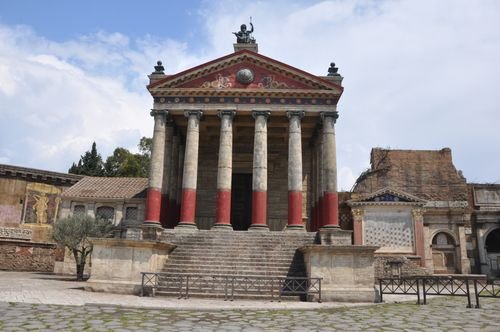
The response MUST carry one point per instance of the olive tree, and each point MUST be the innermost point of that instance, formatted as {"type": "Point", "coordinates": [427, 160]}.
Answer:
{"type": "Point", "coordinates": [74, 233]}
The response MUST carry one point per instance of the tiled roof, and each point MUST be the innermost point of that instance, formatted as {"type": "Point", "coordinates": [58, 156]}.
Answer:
{"type": "Point", "coordinates": [38, 174]}
{"type": "Point", "coordinates": [110, 188]}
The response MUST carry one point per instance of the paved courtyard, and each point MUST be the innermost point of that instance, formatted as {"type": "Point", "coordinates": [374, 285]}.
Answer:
{"type": "Point", "coordinates": [32, 302]}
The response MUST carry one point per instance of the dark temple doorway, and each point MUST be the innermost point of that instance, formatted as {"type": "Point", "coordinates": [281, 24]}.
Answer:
{"type": "Point", "coordinates": [241, 201]}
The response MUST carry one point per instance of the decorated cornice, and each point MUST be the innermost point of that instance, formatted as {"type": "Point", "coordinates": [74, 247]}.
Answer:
{"type": "Point", "coordinates": [245, 74]}
{"type": "Point", "coordinates": [387, 197]}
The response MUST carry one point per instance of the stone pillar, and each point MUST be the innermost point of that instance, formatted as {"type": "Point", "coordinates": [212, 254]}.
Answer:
{"type": "Point", "coordinates": [295, 171]}
{"type": "Point", "coordinates": [357, 226]}
{"type": "Point", "coordinates": [167, 162]}
{"type": "Point", "coordinates": [321, 184]}
{"type": "Point", "coordinates": [190, 174]}
{"type": "Point", "coordinates": [153, 200]}
{"type": "Point", "coordinates": [224, 171]}
{"type": "Point", "coordinates": [259, 178]}
{"type": "Point", "coordinates": [330, 195]}
{"type": "Point", "coordinates": [418, 221]}
{"type": "Point", "coordinates": [172, 193]}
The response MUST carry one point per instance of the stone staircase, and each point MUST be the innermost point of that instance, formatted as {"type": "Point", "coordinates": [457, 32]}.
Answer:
{"type": "Point", "coordinates": [209, 257]}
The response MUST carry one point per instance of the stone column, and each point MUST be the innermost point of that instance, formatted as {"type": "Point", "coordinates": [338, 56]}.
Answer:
{"type": "Point", "coordinates": [190, 174]}
{"type": "Point", "coordinates": [330, 195]}
{"type": "Point", "coordinates": [153, 200]}
{"type": "Point", "coordinates": [259, 177]}
{"type": "Point", "coordinates": [167, 162]}
{"type": "Point", "coordinates": [418, 221]}
{"type": "Point", "coordinates": [224, 171]}
{"type": "Point", "coordinates": [295, 171]}
{"type": "Point", "coordinates": [172, 193]}
{"type": "Point", "coordinates": [357, 226]}
{"type": "Point", "coordinates": [321, 184]}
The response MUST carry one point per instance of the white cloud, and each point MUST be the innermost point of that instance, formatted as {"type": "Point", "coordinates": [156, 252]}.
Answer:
{"type": "Point", "coordinates": [418, 75]}
{"type": "Point", "coordinates": [57, 98]}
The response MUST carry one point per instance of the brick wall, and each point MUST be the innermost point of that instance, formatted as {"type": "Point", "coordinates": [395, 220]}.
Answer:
{"type": "Point", "coordinates": [27, 256]}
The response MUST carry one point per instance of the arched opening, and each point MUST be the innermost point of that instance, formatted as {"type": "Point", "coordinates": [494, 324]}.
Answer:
{"type": "Point", "coordinates": [492, 244]}
{"type": "Point", "coordinates": [444, 255]}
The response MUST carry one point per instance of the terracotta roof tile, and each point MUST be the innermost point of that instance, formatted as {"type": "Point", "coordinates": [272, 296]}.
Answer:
{"type": "Point", "coordinates": [110, 188]}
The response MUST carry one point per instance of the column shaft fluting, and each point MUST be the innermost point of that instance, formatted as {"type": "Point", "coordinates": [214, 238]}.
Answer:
{"type": "Point", "coordinates": [190, 174]}
{"type": "Point", "coordinates": [259, 179]}
{"type": "Point", "coordinates": [167, 162]}
{"type": "Point", "coordinates": [153, 200]}
{"type": "Point", "coordinates": [225, 170]}
{"type": "Point", "coordinates": [330, 195]}
{"type": "Point", "coordinates": [295, 170]}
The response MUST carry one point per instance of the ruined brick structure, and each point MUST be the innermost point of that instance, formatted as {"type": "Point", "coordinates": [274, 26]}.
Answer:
{"type": "Point", "coordinates": [414, 204]}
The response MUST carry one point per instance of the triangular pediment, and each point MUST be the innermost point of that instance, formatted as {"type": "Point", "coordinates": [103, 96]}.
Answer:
{"type": "Point", "coordinates": [245, 71]}
{"type": "Point", "coordinates": [387, 196]}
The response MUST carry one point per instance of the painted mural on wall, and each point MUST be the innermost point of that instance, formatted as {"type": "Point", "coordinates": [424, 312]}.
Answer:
{"type": "Point", "coordinates": [41, 204]}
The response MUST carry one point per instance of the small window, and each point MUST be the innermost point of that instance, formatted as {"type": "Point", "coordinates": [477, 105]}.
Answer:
{"type": "Point", "coordinates": [105, 213]}
{"type": "Point", "coordinates": [79, 210]}
{"type": "Point", "coordinates": [443, 239]}
{"type": "Point", "coordinates": [131, 213]}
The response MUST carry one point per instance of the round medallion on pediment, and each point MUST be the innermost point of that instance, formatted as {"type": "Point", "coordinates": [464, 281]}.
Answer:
{"type": "Point", "coordinates": [244, 76]}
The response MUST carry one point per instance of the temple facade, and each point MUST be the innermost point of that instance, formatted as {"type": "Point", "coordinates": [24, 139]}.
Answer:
{"type": "Point", "coordinates": [244, 142]}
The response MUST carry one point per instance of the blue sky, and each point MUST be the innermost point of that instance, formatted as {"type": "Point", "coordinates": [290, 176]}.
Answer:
{"type": "Point", "coordinates": [418, 74]}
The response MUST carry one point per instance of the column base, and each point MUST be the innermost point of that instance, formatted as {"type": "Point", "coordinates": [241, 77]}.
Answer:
{"type": "Point", "coordinates": [186, 226]}
{"type": "Point", "coordinates": [222, 227]}
{"type": "Point", "coordinates": [329, 235]}
{"type": "Point", "coordinates": [151, 223]}
{"type": "Point", "coordinates": [295, 228]}
{"type": "Point", "coordinates": [258, 228]}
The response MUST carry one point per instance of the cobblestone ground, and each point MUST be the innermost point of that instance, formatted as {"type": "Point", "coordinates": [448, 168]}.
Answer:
{"type": "Point", "coordinates": [441, 314]}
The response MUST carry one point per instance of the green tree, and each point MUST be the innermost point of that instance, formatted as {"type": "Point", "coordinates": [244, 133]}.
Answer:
{"type": "Point", "coordinates": [74, 233]}
{"type": "Point", "coordinates": [126, 164]}
{"type": "Point", "coordinates": [89, 164]}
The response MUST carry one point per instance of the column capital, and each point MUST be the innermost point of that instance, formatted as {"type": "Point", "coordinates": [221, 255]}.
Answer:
{"type": "Point", "coordinates": [290, 114]}
{"type": "Point", "coordinates": [334, 115]}
{"type": "Point", "coordinates": [357, 214]}
{"type": "Point", "coordinates": [266, 114]}
{"type": "Point", "coordinates": [230, 113]}
{"type": "Point", "coordinates": [197, 113]}
{"type": "Point", "coordinates": [418, 213]}
{"type": "Point", "coordinates": [158, 112]}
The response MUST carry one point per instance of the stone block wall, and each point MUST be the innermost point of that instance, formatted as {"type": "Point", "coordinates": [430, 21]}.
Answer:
{"type": "Point", "coordinates": [408, 267]}
{"type": "Point", "coordinates": [27, 256]}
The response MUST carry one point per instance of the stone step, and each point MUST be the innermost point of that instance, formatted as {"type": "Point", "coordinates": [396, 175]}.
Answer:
{"type": "Point", "coordinates": [219, 264]}
{"type": "Point", "coordinates": [232, 271]}
{"type": "Point", "coordinates": [238, 295]}
{"type": "Point", "coordinates": [278, 258]}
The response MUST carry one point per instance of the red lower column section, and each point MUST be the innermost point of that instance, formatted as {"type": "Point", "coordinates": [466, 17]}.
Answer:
{"type": "Point", "coordinates": [165, 201]}
{"type": "Point", "coordinates": [331, 209]}
{"type": "Point", "coordinates": [153, 206]}
{"type": "Point", "coordinates": [295, 209]}
{"type": "Point", "coordinates": [223, 212]}
{"type": "Point", "coordinates": [259, 209]}
{"type": "Point", "coordinates": [320, 213]}
{"type": "Point", "coordinates": [188, 206]}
